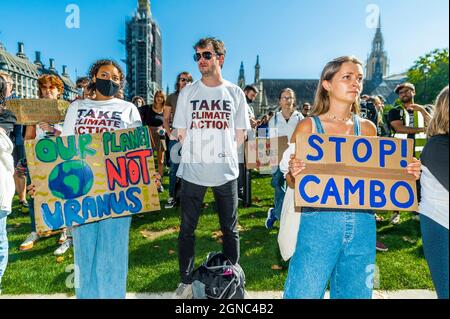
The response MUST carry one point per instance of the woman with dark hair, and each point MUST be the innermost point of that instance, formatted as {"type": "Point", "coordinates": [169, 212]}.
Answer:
{"type": "Point", "coordinates": [183, 79]}
{"type": "Point", "coordinates": [153, 117]}
{"type": "Point", "coordinates": [101, 248]}
{"type": "Point", "coordinates": [335, 246]}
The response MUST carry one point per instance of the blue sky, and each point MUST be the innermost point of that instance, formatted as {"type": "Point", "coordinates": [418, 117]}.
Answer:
{"type": "Point", "coordinates": [294, 38]}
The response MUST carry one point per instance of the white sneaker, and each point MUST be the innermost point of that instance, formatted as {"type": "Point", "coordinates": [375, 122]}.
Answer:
{"type": "Point", "coordinates": [184, 291]}
{"type": "Point", "coordinates": [395, 219]}
{"type": "Point", "coordinates": [61, 250]}
{"type": "Point", "coordinates": [170, 203]}
{"type": "Point", "coordinates": [62, 239]}
{"type": "Point", "coordinates": [29, 242]}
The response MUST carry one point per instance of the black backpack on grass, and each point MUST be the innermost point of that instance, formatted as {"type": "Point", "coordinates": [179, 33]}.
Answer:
{"type": "Point", "coordinates": [218, 278]}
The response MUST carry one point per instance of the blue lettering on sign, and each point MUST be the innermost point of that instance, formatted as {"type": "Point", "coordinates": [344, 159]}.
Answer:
{"type": "Point", "coordinates": [137, 203]}
{"type": "Point", "coordinates": [410, 200]}
{"type": "Point", "coordinates": [120, 205]}
{"type": "Point", "coordinates": [331, 189]}
{"type": "Point", "coordinates": [71, 209]}
{"type": "Point", "coordinates": [349, 188]}
{"type": "Point", "coordinates": [103, 205]}
{"type": "Point", "coordinates": [386, 152]}
{"type": "Point", "coordinates": [302, 186]}
{"type": "Point", "coordinates": [338, 141]}
{"type": "Point", "coordinates": [377, 189]}
{"type": "Point", "coordinates": [368, 155]}
{"type": "Point", "coordinates": [312, 142]}
{"type": "Point", "coordinates": [89, 207]}
{"type": "Point", "coordinates": [53, 220]}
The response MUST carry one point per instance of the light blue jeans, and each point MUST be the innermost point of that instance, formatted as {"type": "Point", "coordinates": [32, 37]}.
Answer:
{"type": "Point", "coordinates": [3, 244]}
{"type": "Point", "coordinates": [101, 259]}
{"type": "Point", "coordinates": [279, 184]}
{"type": "Point", "coordinates": [435, 247]}
{"type": "Point", "coordinates": [336, 247]}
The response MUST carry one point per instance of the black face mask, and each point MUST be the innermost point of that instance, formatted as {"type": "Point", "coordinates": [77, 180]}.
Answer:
{"type": "Point", "coordinates": [106, 87]}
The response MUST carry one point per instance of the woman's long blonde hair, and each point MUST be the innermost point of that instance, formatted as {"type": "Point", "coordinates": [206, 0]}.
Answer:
{"type": "Point", "coordinates": [439, 122]}
{"type": "Point", "coordinates": [322, 100]}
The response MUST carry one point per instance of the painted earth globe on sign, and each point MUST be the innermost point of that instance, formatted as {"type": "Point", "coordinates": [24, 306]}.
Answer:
{"type": "Point", "coordinates": [70, 180]}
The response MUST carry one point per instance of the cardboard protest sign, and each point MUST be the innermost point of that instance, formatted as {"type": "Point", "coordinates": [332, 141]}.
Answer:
{"type": "Point", "coordinates": [264, 153]}
{"type": "Point", "coordinates": [86, 178]}
{"type": "Point", "coordinates": [33, 111]}
{"type": "Point", "coordinates": [355, 173]}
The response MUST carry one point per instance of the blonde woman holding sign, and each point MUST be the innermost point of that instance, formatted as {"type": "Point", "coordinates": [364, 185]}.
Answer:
{"type": "Point", "coordinates": [334, 245]}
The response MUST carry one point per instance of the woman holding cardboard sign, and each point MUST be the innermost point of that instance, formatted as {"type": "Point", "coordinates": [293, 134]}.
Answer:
{"type": "Point", "coordinates": [334, 245]}
{"type": "Point", "coordinates": [50, 87]}
{"type": "Point", "coordinates": [101, 248]}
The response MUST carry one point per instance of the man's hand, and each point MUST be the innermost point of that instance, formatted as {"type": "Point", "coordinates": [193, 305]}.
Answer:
{"type": "Point", "coordinates": [253, 123]}
{"type": "Point", "coordinates": [416, 107]}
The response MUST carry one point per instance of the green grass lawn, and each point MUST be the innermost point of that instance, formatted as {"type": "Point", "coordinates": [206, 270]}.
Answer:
{"type": "Point", "coordinates": [153, 265]}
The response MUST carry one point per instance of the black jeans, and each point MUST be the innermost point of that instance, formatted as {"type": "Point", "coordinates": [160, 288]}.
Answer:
{"type": "Point", "coordinates": [191, 199]}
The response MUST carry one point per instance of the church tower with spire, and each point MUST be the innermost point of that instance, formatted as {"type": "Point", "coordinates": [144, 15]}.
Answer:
{"type": "Point", "coordinates": [377, 66]}
{"type": "Point", "coordinates": [241, 80]}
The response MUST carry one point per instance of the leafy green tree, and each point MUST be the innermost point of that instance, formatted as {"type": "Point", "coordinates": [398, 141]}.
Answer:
{"type": "Point", "coordinates": [430, 75]}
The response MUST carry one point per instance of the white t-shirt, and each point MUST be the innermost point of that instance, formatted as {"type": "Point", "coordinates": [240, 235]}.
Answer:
{"type": "Point", "coordinates": [211, 116]}
{"type": "Point", "coordinates": [278, 126]}
{"type": "Point", "coordinates": [90, 117]}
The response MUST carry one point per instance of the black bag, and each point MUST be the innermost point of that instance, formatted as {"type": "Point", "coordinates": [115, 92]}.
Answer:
{"type": "Point", "coordinates": [218, 278]}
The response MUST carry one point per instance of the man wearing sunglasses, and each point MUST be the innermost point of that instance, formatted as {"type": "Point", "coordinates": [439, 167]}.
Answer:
{"type": "Point", "coordinates": [183, 79]}
{"type": "Point", "coordinates": [211, 119]}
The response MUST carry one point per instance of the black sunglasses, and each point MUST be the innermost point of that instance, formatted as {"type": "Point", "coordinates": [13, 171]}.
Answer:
{"type": "Point", "coordinates": [206, 55]}
{"type": "Point", "coordinates": [185, 80]}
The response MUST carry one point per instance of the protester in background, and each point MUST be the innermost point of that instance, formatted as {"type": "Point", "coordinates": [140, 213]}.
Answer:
{"type": "Point", "coordinates": [81, 84]}
{"type": "Point", "coordinates": [217, 168]}
{"type": "Point", "coordinates": [153, 117]}
{"type": "Point", "coordinates": [183, 79]}
{"type": "Point", "coordinates": [282, 123]}
{"type": "Point", "coordinates": [7, 121]}
{"type": "Point", "coordinates": [244, 180]}
{"type": "Point", "coordinates": [408, 120]}
{"type": "Point", "coordinates": [50, 87]}
{"type": "Point", "coordinates": [434, 205]}
{"type": "Point", "coordinates": [19, 147]}
{"type": "Point", "coordinates": [306, 108]}
{"type": "Point", "coordinates": [334, 246]}
{"type": "Point", "coordinates": [138, 101]}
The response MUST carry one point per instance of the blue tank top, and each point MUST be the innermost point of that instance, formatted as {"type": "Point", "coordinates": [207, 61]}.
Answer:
{"type": "Point", "coordinates": [320, 130]}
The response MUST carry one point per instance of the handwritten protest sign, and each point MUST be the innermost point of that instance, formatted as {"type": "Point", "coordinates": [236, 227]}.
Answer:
{"type": "Point", "coordinates": [86, 178]}
{"type": "Point", "coordinates": [264, 153]}
{"type": "Point", "coordinates": [355, 173]}
{"type": "Point", "coordinates": [33, 111]}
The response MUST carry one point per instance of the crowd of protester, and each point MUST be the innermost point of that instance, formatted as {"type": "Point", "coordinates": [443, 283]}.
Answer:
{"type": "Point", "coordinates": [171, 122]}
